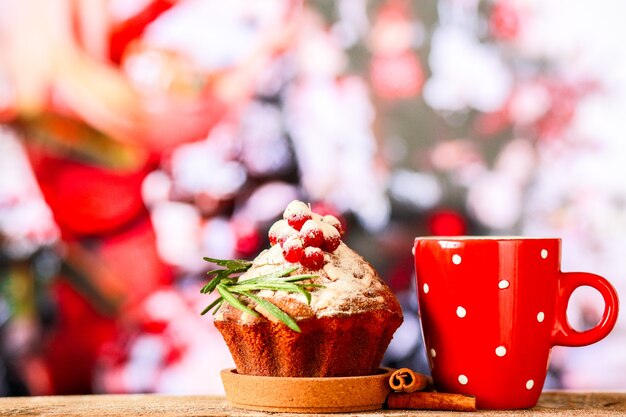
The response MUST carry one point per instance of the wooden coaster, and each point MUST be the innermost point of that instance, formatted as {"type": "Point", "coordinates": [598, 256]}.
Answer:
{"type": "Point", "coordinates": [307, 395]}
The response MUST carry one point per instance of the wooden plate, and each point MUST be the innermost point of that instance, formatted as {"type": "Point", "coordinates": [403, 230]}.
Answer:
{"type": "Point", "coordinates": [307, 395]}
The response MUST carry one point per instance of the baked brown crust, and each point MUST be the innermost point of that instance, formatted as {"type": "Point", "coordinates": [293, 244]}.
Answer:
{"type": "Point", "coordinates": [327, 346]}
{"type": "Point", "coordinates": [345, 330]}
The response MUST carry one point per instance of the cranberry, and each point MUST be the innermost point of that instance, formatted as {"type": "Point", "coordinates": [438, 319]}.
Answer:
{"type": "Point", "coordinates": [293, 249]}
{"type": "Point", "coordinates": [332, 239]}
{"type": "Point", "coordinates": [296, 214]}
{"type": "Point", "coordinates": [333, 221]}
{"type": "Point", "coordinates": [313, 258]}
{"type": "Point", "coordinates": [311, 234]}
{"type": "Point", "coordinates": [280, 231]}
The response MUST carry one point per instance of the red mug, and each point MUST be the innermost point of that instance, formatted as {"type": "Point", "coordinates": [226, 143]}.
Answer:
{"type": "Point", "coordinates": [492, 308]}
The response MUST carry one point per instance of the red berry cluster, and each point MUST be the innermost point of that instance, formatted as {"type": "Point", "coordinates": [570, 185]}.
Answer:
{"type": "Point", "coordinates": [304, 235]}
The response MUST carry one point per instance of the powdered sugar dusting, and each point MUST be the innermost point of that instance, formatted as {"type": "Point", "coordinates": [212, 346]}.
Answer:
{"type": "Point", "coordinates": [292, 243]}
{"type": "Point", "coordinates": [297, 208]}
{"type": "Point", "coordinates": [297, 213]}
{"type": "Point", "coordinates": [347, 283]}
{"type": "Point", "coordinates": [280, 231]}
{"type": "Point", "coordinates": [312, 234]}
{"type": "Point", "coordinates": [351, 285]}
{"type": "Point", "coordinates": [333, 221]}
{"type": "Point", "coordinates": [329, 230]}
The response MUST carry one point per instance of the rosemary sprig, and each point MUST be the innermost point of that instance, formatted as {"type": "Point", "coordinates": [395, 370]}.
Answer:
{"type": "Point", "coordinates": [234, 291]}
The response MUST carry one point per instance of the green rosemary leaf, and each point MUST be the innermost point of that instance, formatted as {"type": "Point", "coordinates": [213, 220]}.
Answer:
{"type": "Point", "coordinates": [218, 306]}
{"type": "Point", "coordinates": [296, 278]}
{"type": "Point", "coordinates": [210, 286]}
{"type": "Point", "coordinates": [275, 311]}
{"type": "Point", "coordinates": [234, 301]}
{"type": "Point", "coordinates": [312, 286]}
{"type": "Point", "coordinates": [227, 281]}
{"type": "Point", "coordinates": [238, 265]}
{"type": "Point", "coordinates": [232, 264]}
{"type": "Point", "coordinates": [205, 289]}
{"type": "Point", "coordinates": [220, 262]}
{"type": "Point", "coordinates": [272, 275]}
{"type": "Point", "coordinates": [213, 304]}
{"type": "Point", "coordinates": [274, 286]}
{"type": "Point", "coordinates": [223, 275]}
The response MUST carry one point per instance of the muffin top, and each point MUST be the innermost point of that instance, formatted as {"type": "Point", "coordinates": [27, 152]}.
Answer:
{"type": "Point", "coordinates": [311, 244]}
{"type": "Point", "coordinates": [349, 286]}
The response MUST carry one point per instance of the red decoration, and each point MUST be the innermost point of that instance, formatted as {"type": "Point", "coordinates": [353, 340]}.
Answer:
{"type": "Point", "coordinates": [313, 258]}
{"type": "Point", "coordinates": [446, 223]}
{"type": "Point", "coordinates": [396, 76]}
{"type": "Point", "coordinates": [87, 199]}
{"type": "Point", "coordinates": [504, 21]}
{"type": "Point", "coordinates": [248, 238]}
{"type": "Point", "coordinates": [126, 31]}
{"type": "Point", "coordinates": [76, 343]}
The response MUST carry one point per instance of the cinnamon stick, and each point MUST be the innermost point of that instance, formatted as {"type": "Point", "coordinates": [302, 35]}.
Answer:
{"type": "Point", "coordinates": [431, 401]}
{"type": "Point", "coordinates": [407, 380]}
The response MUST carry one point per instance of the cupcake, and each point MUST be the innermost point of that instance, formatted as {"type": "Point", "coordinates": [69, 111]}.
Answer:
{"type": "Point", "coordinates": [308, 306]}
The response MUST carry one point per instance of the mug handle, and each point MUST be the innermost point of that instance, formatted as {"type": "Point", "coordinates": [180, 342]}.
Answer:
{"type": "Point", "coordinates": [564, 334]}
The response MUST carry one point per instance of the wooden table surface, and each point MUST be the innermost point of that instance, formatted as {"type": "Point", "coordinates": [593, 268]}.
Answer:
{"type": "Point", "coordinates": [551, 403]}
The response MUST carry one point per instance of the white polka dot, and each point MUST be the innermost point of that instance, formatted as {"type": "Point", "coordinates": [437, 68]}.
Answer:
{"type": "Point", "coordinates": [503, 284]}
{"type": "Point", "coordinates": [500, 351]}
{"type": "Point", "coordinates": [463, 380]}
{"type": "Point", "coordinates": [426, 288]}
{"type": "Point", "coordinates": [530, 384]}
{"type": "Point", "coordinates": [544, 253]}
{"type": "Point", "coordinates": [413, 250]}
{"type": "Point", "coordinates": [461, 312]}
{"type": "Point", "coordinates": [456, 259]}
{"type": "Point", "coordinates": [540, 317]}
{"type": "Point", "coordinates": [433, 353]}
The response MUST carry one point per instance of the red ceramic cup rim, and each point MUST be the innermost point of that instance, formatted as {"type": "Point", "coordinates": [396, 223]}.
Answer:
{"type": "Point", "coordinates": [485, 238]}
